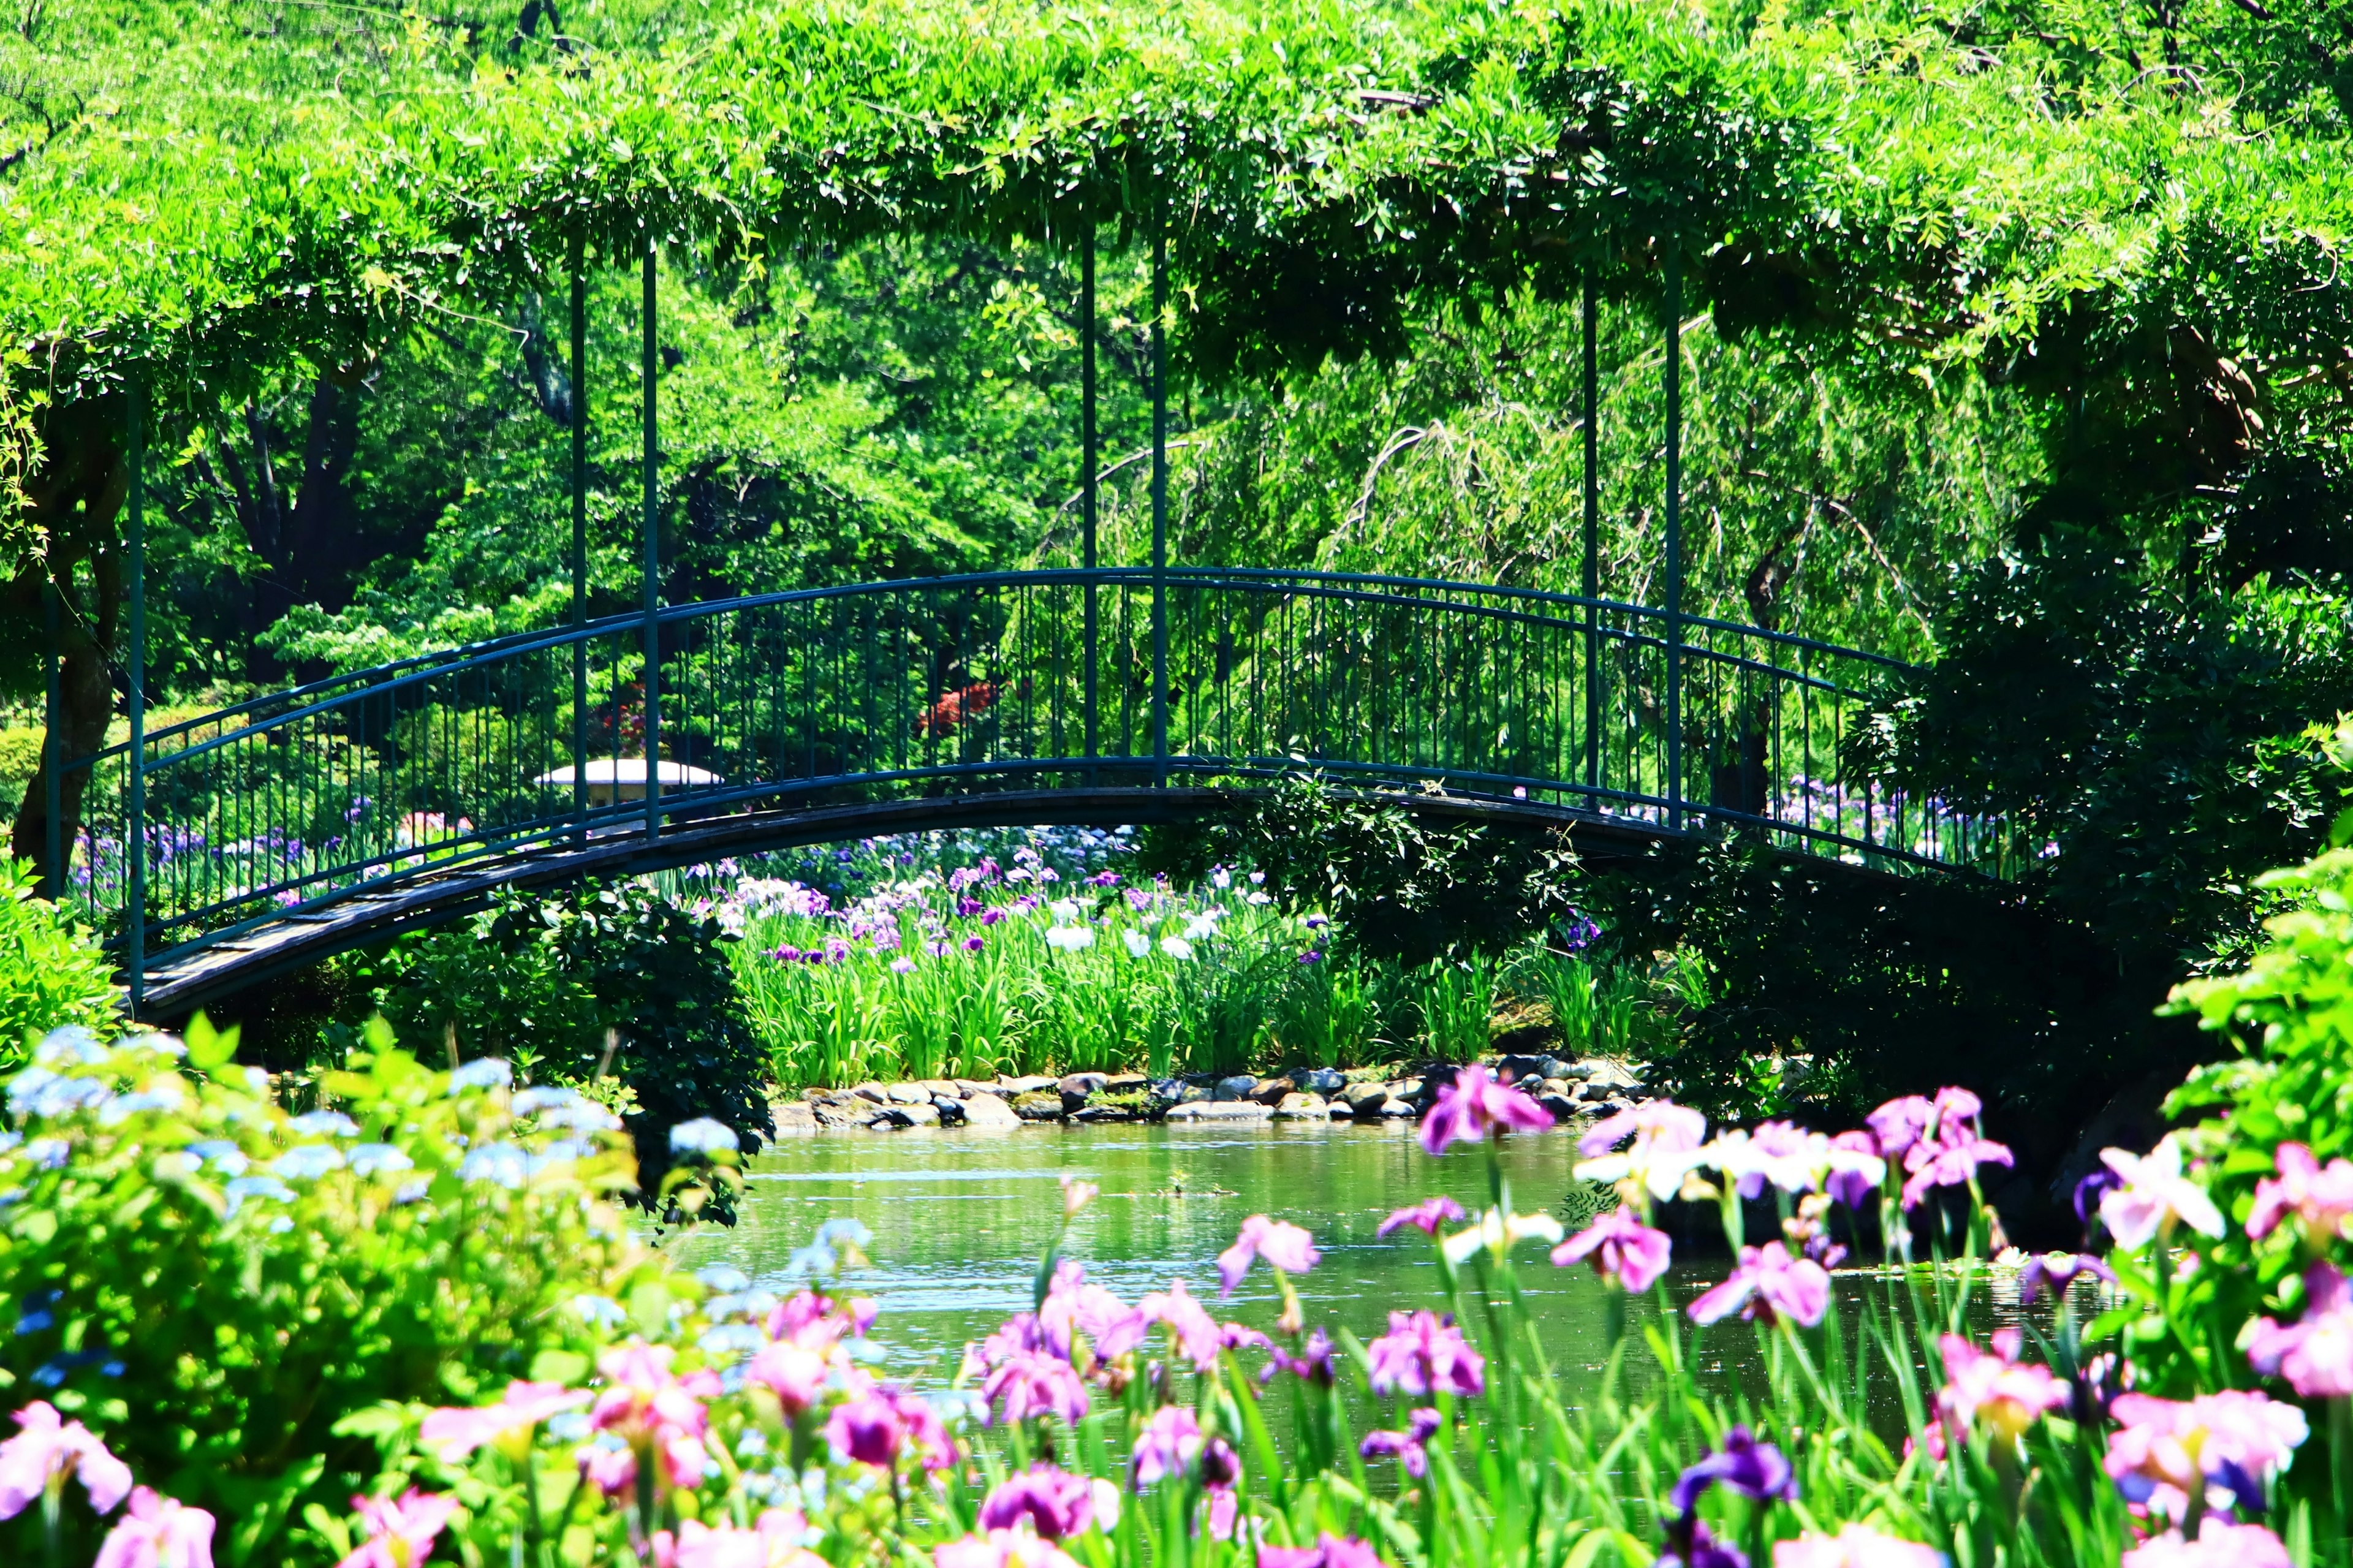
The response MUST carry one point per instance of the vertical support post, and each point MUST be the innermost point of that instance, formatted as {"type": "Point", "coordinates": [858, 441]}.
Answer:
{"type": "Point", "coordinates": [579, 530]}
{"type": "Point", "coordinates": [1674, 531]}
{"type": "Point", "coordinates": [652, 570]}
{"type": "Point", "coordinates": [1091, 456]}
{"type": "Point", "coordinates": [1159, 497]}
{"type": "Point", "coordinates": [1593, 583]}
{"type": "Point", "coordinates": [53, 748]}
{"type": "Point", "coordinates": [135, 931]}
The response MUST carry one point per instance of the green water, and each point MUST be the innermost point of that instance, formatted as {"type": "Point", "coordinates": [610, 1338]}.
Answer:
{"type": "Point", "coordinates": [959, 1218]}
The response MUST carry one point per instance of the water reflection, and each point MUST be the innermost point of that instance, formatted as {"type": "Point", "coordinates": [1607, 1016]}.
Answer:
{"type": "Point", "coordinates": [959, 1218]}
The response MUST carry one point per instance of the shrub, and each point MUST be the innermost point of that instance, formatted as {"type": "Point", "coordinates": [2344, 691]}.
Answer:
{"type": "Point", "coordinates": [1397, 887]}
{"type": "Point", "coordinates": [2289, 1014]}
{"type": "Point", "coordinates": [223, 1290]}
{"type": "Point", "coordinates": [616, 983]}
{"type": "Point", "coordinates": [52, 972]}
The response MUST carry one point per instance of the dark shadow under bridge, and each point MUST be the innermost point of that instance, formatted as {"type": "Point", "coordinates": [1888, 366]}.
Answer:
{"type": "Point", "coordinates": [276, 833]}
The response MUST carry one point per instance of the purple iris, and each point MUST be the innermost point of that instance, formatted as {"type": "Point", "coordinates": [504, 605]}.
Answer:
{"type": "Point", "coordinates": [1314, 1362]}
{"type": "Point", "coordinates": [1752, 1468]}
{"type": "Point", "coordinates": [1689, 1545]}
{"type": "Point", "coordinates": [2055, 1271]}
{"type": "Point", "coordinates": [2092, 1189]}
{"type": "Point", "coordinates": [1056, 1504]}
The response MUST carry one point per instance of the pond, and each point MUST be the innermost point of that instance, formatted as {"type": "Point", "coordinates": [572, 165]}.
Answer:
{"type": "Point", "coordinates": [959, 1218]}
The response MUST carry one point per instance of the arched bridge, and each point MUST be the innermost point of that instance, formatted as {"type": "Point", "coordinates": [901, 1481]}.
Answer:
{"type": "Point", "coordinates": [281, 830]}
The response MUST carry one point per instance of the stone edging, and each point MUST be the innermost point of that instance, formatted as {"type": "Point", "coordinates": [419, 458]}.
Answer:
{"type": "Point", "coordinates": [1395, 1091]}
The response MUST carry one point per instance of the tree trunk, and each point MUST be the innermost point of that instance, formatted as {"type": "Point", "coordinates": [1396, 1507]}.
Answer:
{"type": "Point", "coordinates": [75, 499]}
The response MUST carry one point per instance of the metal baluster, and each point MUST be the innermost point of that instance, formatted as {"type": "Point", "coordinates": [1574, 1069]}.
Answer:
{"type": "Point", "coordinates": [1674, 533]}
{"type": "Point", "coordinates": [652, 571]}
{"type": "Point", "coordinates": [1160, 496]}
{"type": "Point", "coordinates": [53, 748]}
{"type": "Point", "coordinates": [1594, 542]}
{"type": "Point", "coordinates": [135, 931]}
{"type": "Point", "coordinates": [579, 537]}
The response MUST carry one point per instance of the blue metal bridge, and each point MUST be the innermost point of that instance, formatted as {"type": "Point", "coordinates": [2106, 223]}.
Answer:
{"type": "Point", "coordinates": [278, 831]}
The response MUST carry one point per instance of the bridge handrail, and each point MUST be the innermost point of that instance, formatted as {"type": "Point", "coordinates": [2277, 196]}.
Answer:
{"type": "Point", "coordinates": [332, 690]}
{"type": "Point", "coordinates": [1565, 702]}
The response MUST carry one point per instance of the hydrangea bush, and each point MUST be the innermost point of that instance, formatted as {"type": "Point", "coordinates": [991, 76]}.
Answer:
{"type": "Point", "coordinates": [226, 1290]}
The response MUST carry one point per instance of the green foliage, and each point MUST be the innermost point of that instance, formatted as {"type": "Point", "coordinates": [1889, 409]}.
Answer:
{"type": "Point", "coordinates": [599, 983]}
{"type": "Point", "coordinates": [52, 973]}
{"type": "Point", "coordinates": [1454, 999]}
{"type": "Point", "coordinates": [272, 1281]}
{"type": "Point", "coordinates": [1602, 1009]}
{"type": "Point", "coordinates": [1399, 887]}
{"type": "Point", "coordinates": [2147, 728]}
{"type": "Point", "coordinates": [1833, 990]}
{"type": "Point", "coordinates": [2287, 1017]}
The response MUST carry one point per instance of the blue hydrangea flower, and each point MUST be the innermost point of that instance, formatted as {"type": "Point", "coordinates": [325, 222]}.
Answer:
{"type": "Point", "coordinates": [704, 1136]}
{"type": "Point", "coordinates": [503, 1165]}
{"type": "Point", "coordinates": [309, 1162]}
{"type": "Point", "coordinates": [483, 1072]}
{"type": "Point", "coordinates": [221, 1156]}
{"type": "Point", "coordinates": [245, 1187]}
{"type": "Point", "coordinates": [325, 1123]}
{"type": "Point", "coordinates": [599, 1312]}
{"type": "Point", "coordinates": [379, 1158]}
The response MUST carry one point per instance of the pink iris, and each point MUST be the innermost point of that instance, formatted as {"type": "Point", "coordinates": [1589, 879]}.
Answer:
{"type": "Point", "coordinates": [2163, 1447]}
{"type": "Point", "coordinates": [793, 1372]}
{"type": "Point", "coordinates": [1188, 1323]}
{"type": "Point", "coordinates": [2321, 1197]}
{"type": "Point", "coordinates": [874, 1426]}
{"type": "Point", "coordinates": [1053, 1502]}
{"type": "Point", "coordinates": [2219, 1545]}
{"type": "Point", "coordinates": [1425, 1353]}
{"type": "Point", "coordinates": [775, 1543]}
{"type": "Point", "coordinates": [1001, 1549]}
{"type": "Point", "coordinates": [1169, 1443]}
{"type": "Point", "coordinates": [1939, 1141]}
{"type": "Point", "coordinates": [1622, 1249]}
{"type": "Point", "coordinates": [48, 1447]}
{"type": "Point", "coordinates": [2314, 1354]}
{"type": "Point", "coordinates": [1854, 1546]}
{"type": "Point", "coordinates": [1475, 1104]}
{"type": "Point", "coordinates": [1994, 1386]}
{"type": "Point", "coordinates": [1900, 1123]}
{"type": "Point", "coordinates": [1425, 1216]}
{"type": "Point", "coordinates": [655, 1412]}
{"type": "Point", "coordinates": [400, 1532]}
{"type": "Point", "coordinates": [1073, 1307]}
{"type": "Point", "coordinates": [461, 1429]}
{"type": "Point", "coordinates": [157, 1533]}
{"type": "Point", "coordinates": [1033, 1382]}
{"type": "Point", "coordinates": [1852, 1155]}
{"type": "Point", "coordinates": [1768, 1285]}
{"type": "Point", "coordinates": [1284, 1246]}
{"type": "Point", "coordinates": [1329, 1552]}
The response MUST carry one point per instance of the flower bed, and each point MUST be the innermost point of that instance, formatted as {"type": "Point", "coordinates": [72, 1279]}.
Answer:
{"type": "Point", "coordinates": [1042, 955]}
{"type": "Point", "coordinates": [430, 1314]}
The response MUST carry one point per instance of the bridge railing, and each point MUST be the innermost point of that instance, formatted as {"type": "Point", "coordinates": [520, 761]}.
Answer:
{"type": "Point", "coordinates": [281, 807]}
